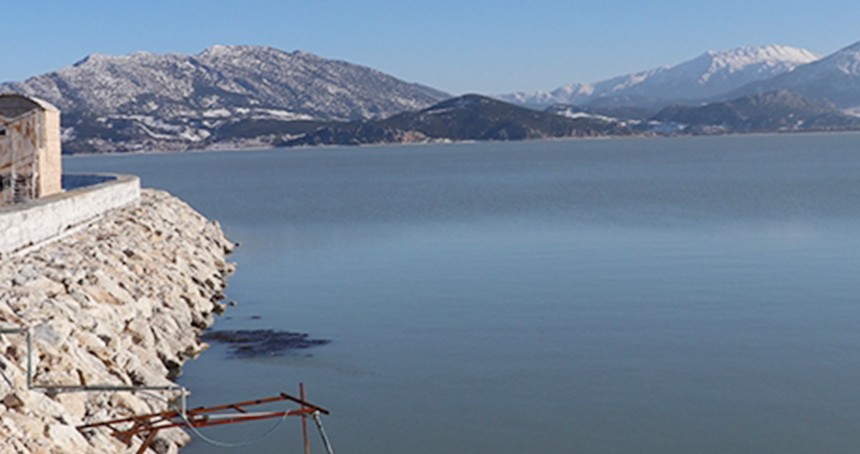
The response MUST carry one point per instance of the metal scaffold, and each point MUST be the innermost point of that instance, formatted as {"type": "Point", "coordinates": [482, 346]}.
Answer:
{"type": "Point", "coordinates": [178, 415]}
{"type": "Point", "coordinates": [148, 425]}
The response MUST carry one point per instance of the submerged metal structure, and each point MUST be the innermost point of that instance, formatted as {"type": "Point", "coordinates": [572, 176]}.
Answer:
{"type": "Point", "coordinates": [148, 425]}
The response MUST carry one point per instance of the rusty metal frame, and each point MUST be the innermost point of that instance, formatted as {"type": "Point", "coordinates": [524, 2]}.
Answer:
{"type": "Point", "coordinates": [148, 425]}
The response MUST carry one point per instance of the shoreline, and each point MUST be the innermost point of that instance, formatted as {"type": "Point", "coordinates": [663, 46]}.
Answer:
{"type": "Point", "coordinates": [240, 149]}
{"type": "Point", "coordinates": [119, 303]}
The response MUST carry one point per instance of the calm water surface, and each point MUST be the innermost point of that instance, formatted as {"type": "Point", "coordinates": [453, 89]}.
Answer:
{"type": "Point", "coordinates": [665, 295]}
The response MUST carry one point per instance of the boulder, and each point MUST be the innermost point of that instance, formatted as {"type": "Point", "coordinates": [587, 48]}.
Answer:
{"type": "Point", "coordinates": [120, 302]}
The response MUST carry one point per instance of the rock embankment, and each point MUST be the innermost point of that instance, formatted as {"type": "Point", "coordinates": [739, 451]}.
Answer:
{"type": "Point", "coordinates": [119, 303]}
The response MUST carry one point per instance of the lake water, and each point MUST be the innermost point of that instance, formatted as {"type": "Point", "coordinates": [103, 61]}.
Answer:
{"type": "Point", "coordinates": [651, 295]}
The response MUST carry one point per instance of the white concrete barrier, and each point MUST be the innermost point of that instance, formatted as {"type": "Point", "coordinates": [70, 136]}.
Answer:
{"type": "Point", "coordinates": [87, 197]}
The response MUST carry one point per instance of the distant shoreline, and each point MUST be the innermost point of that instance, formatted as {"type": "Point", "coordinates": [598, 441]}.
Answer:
{"type": "Point", "coordinates": [458, 142]}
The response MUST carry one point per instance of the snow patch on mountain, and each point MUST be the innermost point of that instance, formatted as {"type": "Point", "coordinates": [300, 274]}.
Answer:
{"type": "Point", "coordinates": [708, 75]}
{"type": "Point", "coordinates": [571, 112]}
{"type": "Point", "coordinates": [835, 78]}
{"type": "Point", "coordinates": [222, 85]}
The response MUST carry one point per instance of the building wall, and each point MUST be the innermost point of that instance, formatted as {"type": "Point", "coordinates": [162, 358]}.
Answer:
{"type": "Point", "coordinates": [49, 160]}
{"type": "Point", "coordinates": [31, 146]}
{"type": "Point", "coordinates": [18, 151]}
{"type": "Point", "coordinates": [39, 221]}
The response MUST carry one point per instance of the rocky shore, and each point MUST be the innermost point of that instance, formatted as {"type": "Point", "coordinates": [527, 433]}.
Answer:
{"type": "Point", "coordinates": [119, 303]}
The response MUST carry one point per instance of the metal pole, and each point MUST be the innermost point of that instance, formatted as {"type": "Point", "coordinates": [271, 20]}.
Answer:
{"type": "Point", "coordinates": [184, 403]}
{"type": "Point", "coordinates": [304, 420]}
{"type": "Point", "coordinates": [326, 444]}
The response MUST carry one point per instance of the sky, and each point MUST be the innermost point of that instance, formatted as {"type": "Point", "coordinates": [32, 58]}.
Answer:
{"type": "Point", "coordinates": [465, 46]}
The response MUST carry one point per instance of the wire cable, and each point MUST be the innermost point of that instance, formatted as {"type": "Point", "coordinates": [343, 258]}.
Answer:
{"type": "Point", "coordinates": [222, 444]}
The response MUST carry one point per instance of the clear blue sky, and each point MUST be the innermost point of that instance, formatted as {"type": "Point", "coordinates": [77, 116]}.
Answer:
{"type": "Point", "coordinates": [492, 46]}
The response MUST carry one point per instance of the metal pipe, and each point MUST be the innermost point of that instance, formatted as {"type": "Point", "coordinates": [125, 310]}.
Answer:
{"type": "Point", "coordinates": [326, 444]}
{"type": "Point", "coordinates": [183, 403]}
{"type": "Point", "coordinates": [246, 415]}
{"type": "Point", "coordinates": [80, 388]}
{"type": "Point", "coordinates": [12, 330]}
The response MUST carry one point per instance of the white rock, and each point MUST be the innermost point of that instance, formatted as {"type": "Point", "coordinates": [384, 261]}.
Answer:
{"type": "Point", "coordinates": [118, 303]}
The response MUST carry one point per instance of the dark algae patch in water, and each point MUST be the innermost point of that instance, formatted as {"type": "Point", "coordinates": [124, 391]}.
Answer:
{"type": "Point", "coordinates": [262, 342]}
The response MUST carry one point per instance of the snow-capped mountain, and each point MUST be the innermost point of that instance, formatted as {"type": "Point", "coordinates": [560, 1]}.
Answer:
{"type": "Point", "coordinates": [706, 76]}
{"type": "Point", "coordinates": [147, 100]}
{"type": "Point", "coordinates": [835, 78]}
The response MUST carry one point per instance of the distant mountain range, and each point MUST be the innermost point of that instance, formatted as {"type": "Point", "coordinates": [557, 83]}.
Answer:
{"type": "Point", "coordinates": [835, 78]}
{"type": "Point", "coordinates": [252, 96]}
{"type": "Point", "coordinates": [148, 101]}
{"type": "Point", "coordinates": [703, 78]}
{"type": "Point", "coordinates": [480, 118]}
{"type": "Point", "coordinates": [775, 111]}
{"type": "Point", "coordinates": [465, 118]}
{"type": "Point", "coordinates": [748, 89]}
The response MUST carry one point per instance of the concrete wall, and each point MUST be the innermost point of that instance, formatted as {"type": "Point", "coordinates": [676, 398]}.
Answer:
{"type": "Point", "coordinates": [50, 161]}
{"type": "Point", "coordinates": [42, 220]}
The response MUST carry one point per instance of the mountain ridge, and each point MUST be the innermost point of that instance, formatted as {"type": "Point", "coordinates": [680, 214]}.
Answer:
{"type": "Point", "coordinates": [469, 117]}
{"type": "Point", "coordinates": [702, 77]}
{"type": "Point", "coordinates": [835, 78]}
{"type": "Point", "coordinates": [775, 111]}
{"type": "Point", "coordinates": [177, 101]}
{"type": "Point", "coordinates": [260, 96]}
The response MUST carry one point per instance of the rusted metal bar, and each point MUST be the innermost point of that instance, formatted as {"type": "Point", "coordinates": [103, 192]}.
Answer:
{"type": "Point", "coordinates": [305, 403]}
{"type": "Point", "coordinates": [150, 424]}
{"type": "Point", "coordinates": [169, 414]}
{"type": "Point", "coordinates": [146, 442]}
{"type": "Point", "coordinates": [207, 422]}
{"type": "Point", "coordinates": [281, 397]}
{"type": "Point", "coordinates": [150, 430]}
{"type": "Point", "coordinates": [166, 414]}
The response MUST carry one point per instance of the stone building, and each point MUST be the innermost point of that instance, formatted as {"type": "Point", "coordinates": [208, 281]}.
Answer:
{"type": "Point", "coordinates": [30, 165]}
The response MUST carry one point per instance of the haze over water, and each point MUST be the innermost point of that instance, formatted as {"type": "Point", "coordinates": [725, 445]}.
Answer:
{"type": "Point", "coordinates": [665, 295]}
